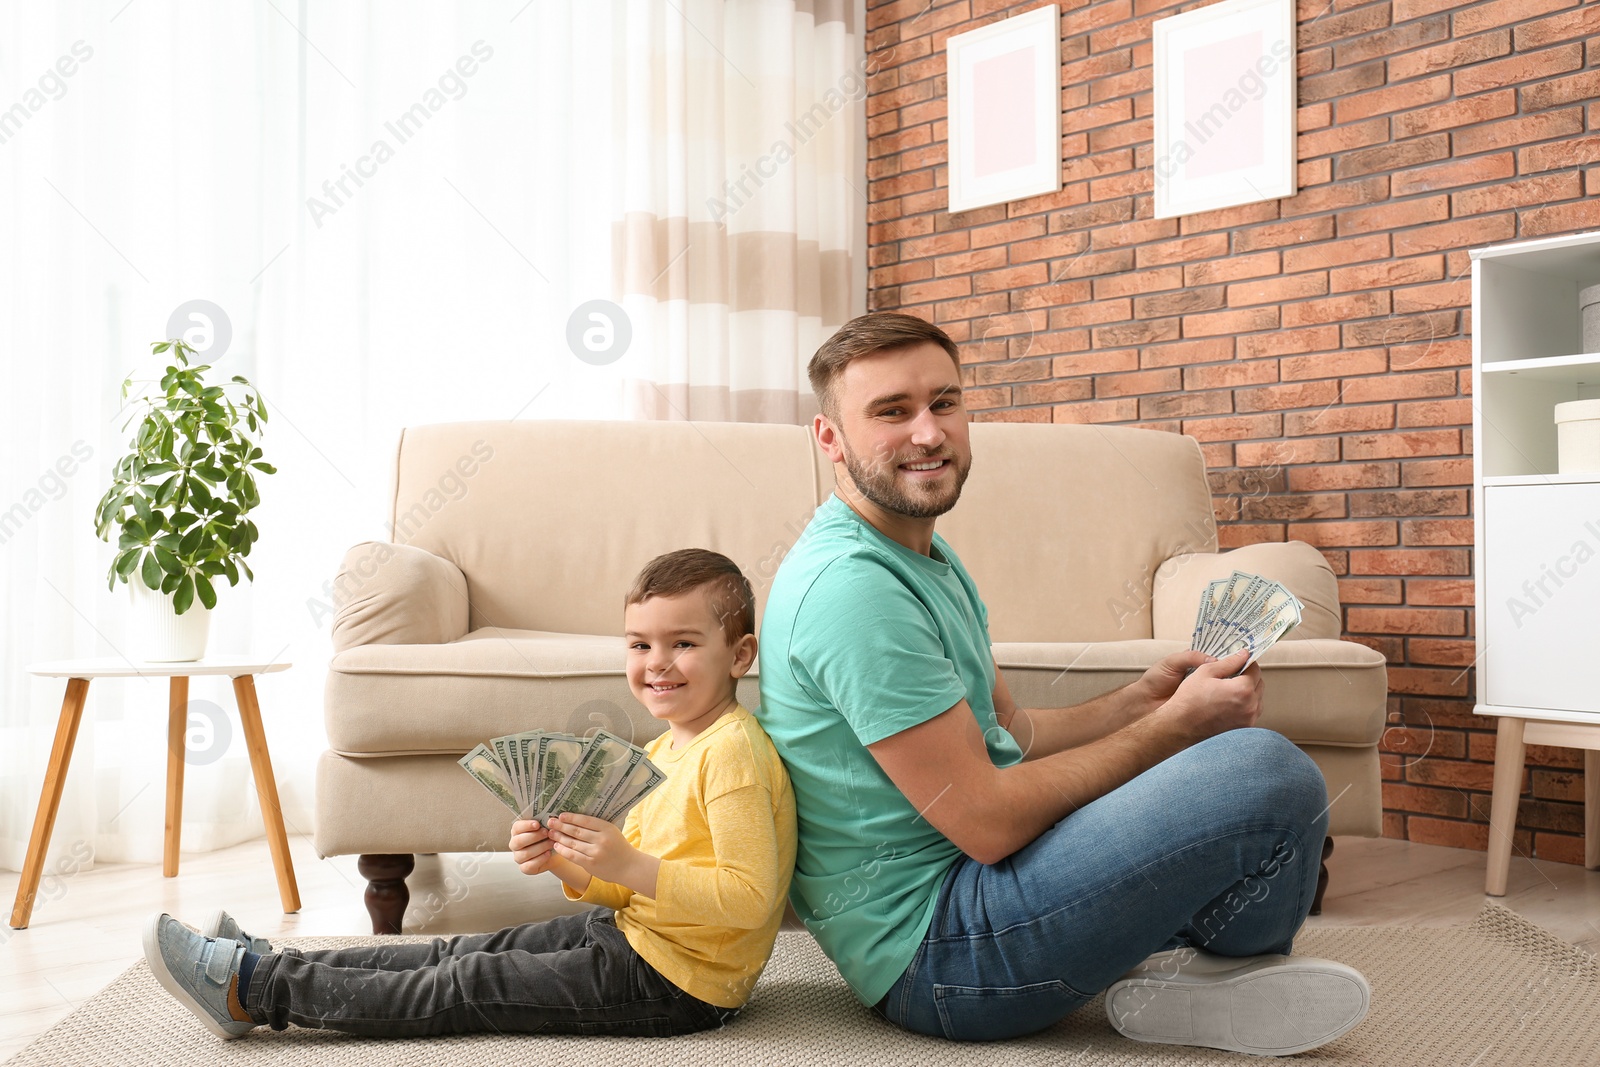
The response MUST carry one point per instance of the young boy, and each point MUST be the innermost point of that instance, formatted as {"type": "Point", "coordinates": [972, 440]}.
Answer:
{"type": "Point", "coordinates": [692, 887]}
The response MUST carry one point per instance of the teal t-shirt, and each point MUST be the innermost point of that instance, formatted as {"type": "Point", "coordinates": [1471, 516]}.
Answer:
{"type": "Point", "coordinates": [863, 638]}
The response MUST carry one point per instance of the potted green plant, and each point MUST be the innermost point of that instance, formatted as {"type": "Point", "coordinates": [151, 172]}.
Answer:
{"type": "Point", "coordinates": [180, 501]}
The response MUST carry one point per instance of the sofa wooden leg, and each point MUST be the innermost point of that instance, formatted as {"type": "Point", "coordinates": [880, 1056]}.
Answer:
{"type": "Point", "coordinates": [387, 895]}
{"type": "Point", "coordinates": [1322, 876]}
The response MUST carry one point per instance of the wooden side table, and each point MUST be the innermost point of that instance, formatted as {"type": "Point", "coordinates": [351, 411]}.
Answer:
{"type": "Point", "coordinates": [1515, 734]}
{"type": "Point", "coordinates": [78, 674]}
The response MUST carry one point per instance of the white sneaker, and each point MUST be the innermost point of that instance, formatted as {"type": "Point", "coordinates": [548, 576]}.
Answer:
{"type": "Point", "coordinates": [1260, 1005]}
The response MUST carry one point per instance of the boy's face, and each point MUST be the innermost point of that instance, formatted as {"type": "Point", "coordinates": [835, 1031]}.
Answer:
{"type": "Point", "coordinates": [680, 666]}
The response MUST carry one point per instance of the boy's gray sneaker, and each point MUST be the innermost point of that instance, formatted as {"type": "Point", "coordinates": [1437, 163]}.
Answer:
{"type": "Point", "coordinates": [221, 924]}
{"type": "Point", "coordinates": [201, 972]}
{"type": "Point", "coordinates": [1261, 1005]}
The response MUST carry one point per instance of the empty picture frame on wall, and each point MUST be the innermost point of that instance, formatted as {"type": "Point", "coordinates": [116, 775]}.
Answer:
{"type": "Point", "coordinates": [1005, 110]}
{"type": "Point", "coordinates": [1224, 105]}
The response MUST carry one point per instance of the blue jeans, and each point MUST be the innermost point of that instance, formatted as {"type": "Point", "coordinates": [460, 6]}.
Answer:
{"type": "Point", "coordinates": [1217, 848]}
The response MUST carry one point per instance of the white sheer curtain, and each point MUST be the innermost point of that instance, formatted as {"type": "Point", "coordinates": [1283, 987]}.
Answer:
{"type": "Point", "coordinates": [397, 207]}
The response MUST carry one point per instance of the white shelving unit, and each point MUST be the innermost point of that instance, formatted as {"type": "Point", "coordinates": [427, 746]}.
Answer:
{"type": "Point", "coordinates": [1536, 553]}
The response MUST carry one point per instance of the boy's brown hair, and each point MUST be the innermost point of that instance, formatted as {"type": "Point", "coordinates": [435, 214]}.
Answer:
{"type": "Point", "coordinates": [732, 600]}
{"type": "Point", "coordinates": [876, 331]}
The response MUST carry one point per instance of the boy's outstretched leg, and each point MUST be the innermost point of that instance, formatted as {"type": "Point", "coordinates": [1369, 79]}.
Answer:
{"type": "Point", "coordinates": [574, 974]}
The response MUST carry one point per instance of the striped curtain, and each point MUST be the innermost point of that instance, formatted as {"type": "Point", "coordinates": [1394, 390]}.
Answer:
{"type": "Point", "coordinates": [741, 245]}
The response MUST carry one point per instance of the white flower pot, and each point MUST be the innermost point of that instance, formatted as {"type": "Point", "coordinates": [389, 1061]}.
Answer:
{"type": "Point", "coordinates": [160, 634]}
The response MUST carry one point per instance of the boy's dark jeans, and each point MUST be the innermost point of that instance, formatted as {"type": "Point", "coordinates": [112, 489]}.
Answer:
{"type": "Point", "coordinates": [574, 974]}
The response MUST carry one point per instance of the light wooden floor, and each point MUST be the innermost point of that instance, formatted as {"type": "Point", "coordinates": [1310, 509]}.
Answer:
{"type": "Point", "coordinates": [89, 931]}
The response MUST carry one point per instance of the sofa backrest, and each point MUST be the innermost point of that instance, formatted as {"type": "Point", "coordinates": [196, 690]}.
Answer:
{"type": "Point", "coordinates": [550, 521]}
{"type": "Point", "coordinates": [1062, 526]}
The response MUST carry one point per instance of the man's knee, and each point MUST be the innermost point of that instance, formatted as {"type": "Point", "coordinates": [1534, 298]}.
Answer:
{"type": "Point", "coordinates": [1286, 780]}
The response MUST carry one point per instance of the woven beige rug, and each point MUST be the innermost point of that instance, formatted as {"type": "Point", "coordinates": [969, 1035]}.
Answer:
{"type": "Point", "coordinates": [1500, 991]}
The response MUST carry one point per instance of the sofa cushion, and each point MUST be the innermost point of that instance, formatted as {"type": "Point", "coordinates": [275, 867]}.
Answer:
{"type": "Point", "coordinates": [1318, 692]}
{"type": "Point", "coordinates": [414, 699]}
{"type": "Point", "coordinates": [386, 700]}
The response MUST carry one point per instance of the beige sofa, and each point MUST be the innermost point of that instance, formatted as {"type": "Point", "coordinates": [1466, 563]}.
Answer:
{"type": "Point", "coordinates": [497, 606]}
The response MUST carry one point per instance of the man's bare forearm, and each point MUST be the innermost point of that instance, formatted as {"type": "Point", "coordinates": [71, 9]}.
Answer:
{"type": "Point", "coordinates": [1041, 732]}
{"type": "Point", "coordinates": [1030, 797]}
{"type": "Point", "coordinates": [943, 766]}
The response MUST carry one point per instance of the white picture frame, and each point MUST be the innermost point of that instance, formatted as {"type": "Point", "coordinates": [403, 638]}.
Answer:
{"type": "Point", "coordinates": [1004, 121]}
{"type": "Point", "coordinates": [1224, 106]}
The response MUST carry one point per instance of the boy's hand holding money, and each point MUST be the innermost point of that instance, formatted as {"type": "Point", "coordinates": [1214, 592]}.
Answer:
{"type": "Point", "coordinates": [535, 853]}
{"type": "Point", "coordinates": [531, 847]}
{"type": "Point", "coordinates": [598, 847]}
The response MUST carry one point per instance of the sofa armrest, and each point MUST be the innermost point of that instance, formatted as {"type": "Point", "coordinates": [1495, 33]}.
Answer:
{"type": "Point", "coordinates": [390, 594]}
{"type": "Point", "coordinates": [1180, 581]}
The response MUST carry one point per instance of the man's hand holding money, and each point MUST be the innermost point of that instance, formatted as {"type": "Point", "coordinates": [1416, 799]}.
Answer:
{"type": "Point", "coordinates": [1216, 684]}
{"type": "Point", "coordinates": [1218, 695]}
{"type": "Point", "coordinates": [1157, 685]}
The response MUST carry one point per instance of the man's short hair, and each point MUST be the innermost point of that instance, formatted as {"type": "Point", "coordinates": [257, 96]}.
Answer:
{"type": "Point", "coordinates": [876, 331]}
{"type": "Point", "coordinates": [726, 588]}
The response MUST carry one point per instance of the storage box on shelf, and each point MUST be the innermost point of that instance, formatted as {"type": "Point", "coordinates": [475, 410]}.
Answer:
{"type": "Point", "coordinates": [1536, 555]}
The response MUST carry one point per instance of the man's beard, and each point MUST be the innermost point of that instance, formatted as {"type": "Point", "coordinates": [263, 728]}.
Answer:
{"type": "Point", "coordinates": [880, 483]}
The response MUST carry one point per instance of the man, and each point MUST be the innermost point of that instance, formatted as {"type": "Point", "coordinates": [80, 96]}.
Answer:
{"type": "Point", "coordinates": [978, 870]}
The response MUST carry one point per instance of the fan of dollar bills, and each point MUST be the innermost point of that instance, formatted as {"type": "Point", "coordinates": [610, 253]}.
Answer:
{"type": "Point", "coordinates": [1243, 611]}
{"type": "Point", "coordinates": [539, 773]}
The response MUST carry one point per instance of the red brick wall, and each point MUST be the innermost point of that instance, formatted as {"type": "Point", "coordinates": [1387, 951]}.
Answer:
{"type": "Point", "coordinates": [1317, 346]}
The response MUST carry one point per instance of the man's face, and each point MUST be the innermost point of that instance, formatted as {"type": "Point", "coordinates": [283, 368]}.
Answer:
{"type": "Point", "coordinates": [899, 408]}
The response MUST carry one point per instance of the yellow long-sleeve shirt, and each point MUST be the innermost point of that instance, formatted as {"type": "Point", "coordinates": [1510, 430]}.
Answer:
{"type": "Point", "coordinates": [723, 826]}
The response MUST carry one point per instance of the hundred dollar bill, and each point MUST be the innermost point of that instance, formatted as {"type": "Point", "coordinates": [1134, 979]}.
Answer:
{"type": "Point", "coordinates": [1274, 617]}
{"type": "Point", "coordinates": [635, 788]}
{"type": "Point", "coordinates": [1266, 640]}
{"type": "Point", "coordinates": [538, 773]}
{"type": "Point", "coordinates": [482, 765]}
{"type": "Point", "coordinates": [500, 749]}
{"type": "Point", "coordinates": [1241, 589]}
{"type": "Point", "coordinates": [1244, 612]}
{"type": "Point", "coordinates": [619, 779]}
{"type": "Point", "coordinates": [1264, 611]}
{"type": "Point", "coordinates": [1211, 606]}
{"type": "Point", "coordinates": [1215, 607]}
{"type": "Point", "coordinates": [555, 756]}
{"type": "Point", "coordinates": [523, 747]}
{"type": "Point", "coordinates": [1251, 606]}
{"type": "Point", "coordinates": [591, 779]}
